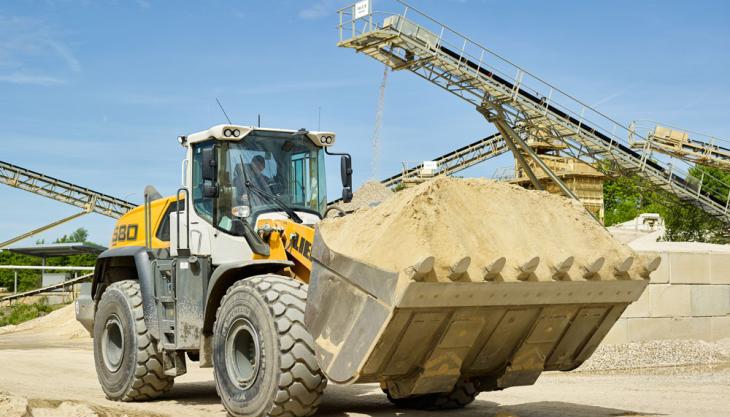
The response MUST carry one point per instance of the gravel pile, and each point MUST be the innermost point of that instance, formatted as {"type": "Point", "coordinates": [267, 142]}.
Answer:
{"type": "Point", "coordinates": [657, 354]}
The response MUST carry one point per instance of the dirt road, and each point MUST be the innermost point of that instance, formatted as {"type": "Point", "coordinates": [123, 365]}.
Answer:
{"type": "Point", "coordinates": [57, 377]}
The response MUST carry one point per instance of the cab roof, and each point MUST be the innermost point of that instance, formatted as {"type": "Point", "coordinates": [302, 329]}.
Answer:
{"type": "Point", "coordinates": [233, 132]}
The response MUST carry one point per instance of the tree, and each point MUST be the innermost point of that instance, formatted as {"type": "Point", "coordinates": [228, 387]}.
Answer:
{"type": "Point", "coordinates": [31, 279]}
{"type": "Point", "coordinates": [79, 235]}
{"type": "Point", "coordinates": [626, 197]}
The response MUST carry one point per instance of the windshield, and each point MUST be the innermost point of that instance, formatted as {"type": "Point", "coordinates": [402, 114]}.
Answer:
{"type": "Point", "coordinates": [285, 166]}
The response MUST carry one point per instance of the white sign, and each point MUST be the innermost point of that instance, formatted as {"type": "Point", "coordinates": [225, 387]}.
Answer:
{"type": "Point", "coordinates": [362, 8]}
{"type": "Point", "coordinates": [430, 165]}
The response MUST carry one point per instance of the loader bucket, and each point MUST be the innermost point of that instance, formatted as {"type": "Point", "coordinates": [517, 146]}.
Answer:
{"type": "Point", "coordinates": [418, 336]}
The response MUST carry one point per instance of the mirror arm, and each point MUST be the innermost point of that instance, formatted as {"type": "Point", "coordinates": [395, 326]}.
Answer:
{"type": "Point", "coordinates": [346, 174]}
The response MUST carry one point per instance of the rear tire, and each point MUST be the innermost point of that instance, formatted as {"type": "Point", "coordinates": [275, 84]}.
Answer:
{"type": "Point", "coordinates": [263, 357]}
{"type": "Point", "coordinates": [128, 365]}
{"type": "Point", "coordinates": [463, 394]}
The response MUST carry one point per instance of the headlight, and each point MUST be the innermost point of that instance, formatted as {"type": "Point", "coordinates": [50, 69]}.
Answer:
{"type": "Point", "coordinates": [241, 211]}
{"type": "Point", "coordinates": [227, 133]}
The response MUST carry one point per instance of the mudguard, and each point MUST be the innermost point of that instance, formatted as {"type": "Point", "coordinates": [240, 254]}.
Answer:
{"type": "Point", "coordinates": [143, 267]}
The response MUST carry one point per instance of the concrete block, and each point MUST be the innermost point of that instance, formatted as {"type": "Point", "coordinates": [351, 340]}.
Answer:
{"type": "Point", "coordinates": [669, 300]}
{"type": "Point", "coordinates": [661, 275]}
{"type": "Point", "coordinates": [720, 268]}
{"type": "Point", "coordinates": [720, 327]}
{"type": "Point", "coordinates": [644, 329]}
{"type": "Point", "coordinates": [618, 333]}
{"type": "Point", "coordinates": [689, 268]}
{"type": "Point", "coordinates": [641, 307]}
{"type": "Point", "coordinates": [710, 300]}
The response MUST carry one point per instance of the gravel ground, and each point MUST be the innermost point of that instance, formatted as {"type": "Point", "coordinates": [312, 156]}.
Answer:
{"type": "Point", "coordinates": [658, 353]}
{"type": "Point", "coordinates": [43, 373]}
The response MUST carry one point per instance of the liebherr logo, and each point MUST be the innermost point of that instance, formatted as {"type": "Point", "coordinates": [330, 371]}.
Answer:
{"type": "Point", "coordinates": [301, 245]}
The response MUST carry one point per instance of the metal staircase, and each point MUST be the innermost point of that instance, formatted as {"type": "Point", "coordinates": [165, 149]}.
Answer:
{"type": "Point", "coordinates": [512, 98]}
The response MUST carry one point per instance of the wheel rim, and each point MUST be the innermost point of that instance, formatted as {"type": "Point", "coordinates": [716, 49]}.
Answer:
{"type": "Point", "coordinates": [243, 356]}
{"type": "Point", "coordinates": [112, 343]}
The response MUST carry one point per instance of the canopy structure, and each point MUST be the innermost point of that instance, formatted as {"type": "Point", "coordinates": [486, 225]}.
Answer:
{"type": "Point", "coordinates": [59, 249]}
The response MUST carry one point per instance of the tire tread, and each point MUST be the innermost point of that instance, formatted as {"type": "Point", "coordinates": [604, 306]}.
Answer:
{"type": "Point", "coordinates": [149, 380]}
{"type": "Point", "coordinates": [299, 388]}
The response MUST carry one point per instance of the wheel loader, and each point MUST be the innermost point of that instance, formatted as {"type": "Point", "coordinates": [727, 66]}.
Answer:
{"type": "Point", "coordinates": [232, 273]}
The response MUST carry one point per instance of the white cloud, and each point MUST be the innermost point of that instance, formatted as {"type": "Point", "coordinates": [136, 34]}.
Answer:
{"type": "Point", "coordinates": [20, 78]}
{"type": "Point", "coordinates": [310, 85]}
{"type": "Point", "coordinates": [318, 10]}
{"type": "Point", "coordinates": [609, 98]}
{"type": "Point", "coordinates": [32, 52]}
{"type": "Point", "coordinates": [64, 52]}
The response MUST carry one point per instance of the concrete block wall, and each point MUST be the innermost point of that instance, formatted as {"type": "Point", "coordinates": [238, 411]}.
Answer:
{"type": "Point", "coordinates": [688, 296]}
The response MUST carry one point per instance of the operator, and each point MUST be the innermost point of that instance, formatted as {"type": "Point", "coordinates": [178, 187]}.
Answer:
{"type": "Point", "coordinates": [260, 180]}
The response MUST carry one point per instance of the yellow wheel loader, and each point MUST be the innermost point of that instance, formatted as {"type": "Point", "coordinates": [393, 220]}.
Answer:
{"type": "Point", "coordinates": [231, 272]}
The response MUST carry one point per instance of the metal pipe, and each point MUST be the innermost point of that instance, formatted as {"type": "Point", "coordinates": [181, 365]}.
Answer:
{"type": "Point", "coordinates": [498, 121]}
{"type": "Point", "coordinates": [48, 268]}
{"type": "Point", "coordinates": [41, 229]}
{"type": "Point", "coordinates": [535, 157]}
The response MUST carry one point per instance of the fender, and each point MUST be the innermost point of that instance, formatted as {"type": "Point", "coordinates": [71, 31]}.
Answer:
{"type": "Point", "coordinates": [226, 274]}
{"type": "Point", "coordinates": [143, 269]}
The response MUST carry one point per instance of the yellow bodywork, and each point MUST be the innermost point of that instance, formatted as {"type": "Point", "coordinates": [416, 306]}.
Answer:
{"type": "Point", "coordinates": [130, 228]}
{"type": "Point", "coordinates": [288, 240]}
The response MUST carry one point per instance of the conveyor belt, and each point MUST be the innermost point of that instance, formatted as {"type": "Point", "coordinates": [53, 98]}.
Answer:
{"type": "Point", "coordinates": [63, 191]}
{"type": "Point", "coordinates": [418, 43]}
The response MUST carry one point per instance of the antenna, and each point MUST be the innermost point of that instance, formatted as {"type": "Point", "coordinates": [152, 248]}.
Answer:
{"type": "Point", "coordinates": [259, 119]}
{"type": "Point", "coordinates": [223, 110]}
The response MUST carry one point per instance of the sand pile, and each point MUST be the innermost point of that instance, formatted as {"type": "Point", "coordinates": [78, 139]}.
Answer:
{"type": "Point", "coordinates": [453, 218]}
{"type": "Point", "coordinates": [369, 194]}
{"type": "Point", "coordinates": [60, 323]}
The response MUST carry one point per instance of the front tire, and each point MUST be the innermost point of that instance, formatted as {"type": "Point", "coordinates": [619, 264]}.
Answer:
{"type": "Point", "coordinates": [263, 357]}
{"type": "Point", "coordinates": [128, 365]}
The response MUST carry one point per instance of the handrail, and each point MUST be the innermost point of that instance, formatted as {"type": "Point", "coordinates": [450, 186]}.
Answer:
{"type": "Point", "coordinates": [47, 288]}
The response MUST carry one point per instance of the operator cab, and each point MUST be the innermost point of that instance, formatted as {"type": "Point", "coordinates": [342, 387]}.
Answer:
{"type": "Point", "coordinates": [241, 174]}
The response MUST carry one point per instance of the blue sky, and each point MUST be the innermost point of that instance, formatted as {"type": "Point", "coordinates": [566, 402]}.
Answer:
{"type": "Point", "coordinates": [95, 92]}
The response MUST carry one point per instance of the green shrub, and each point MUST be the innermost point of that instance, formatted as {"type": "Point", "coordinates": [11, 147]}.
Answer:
{"type": "Point", "coordinates": [24, 312]}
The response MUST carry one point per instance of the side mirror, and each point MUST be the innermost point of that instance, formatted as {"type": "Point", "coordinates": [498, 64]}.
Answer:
{"type": "Point", "coordinates": [346, 174]}
{"type": "Point", "coordinates": [209, 173]}
{"type": "Point", "coordinates": [210, 164]}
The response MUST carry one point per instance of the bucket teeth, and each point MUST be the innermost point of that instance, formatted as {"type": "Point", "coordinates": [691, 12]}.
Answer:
{"type": "Point", "coordinates": [591, 270]}
{"type": "Point", "coordinates": [458, 268]}
{"type": "Point", "coordinates": [528, 268]}
{"type": "Point", "coordinates": [622, 268]}
{"type": "Point", "coordinates": [560, 270]}
{"type": "Point", "coordinates": [650, 267]}
{"type": "Point", "coordinates": [492, 270]}
{"type": "Point", "coordinates": [420, 269]}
